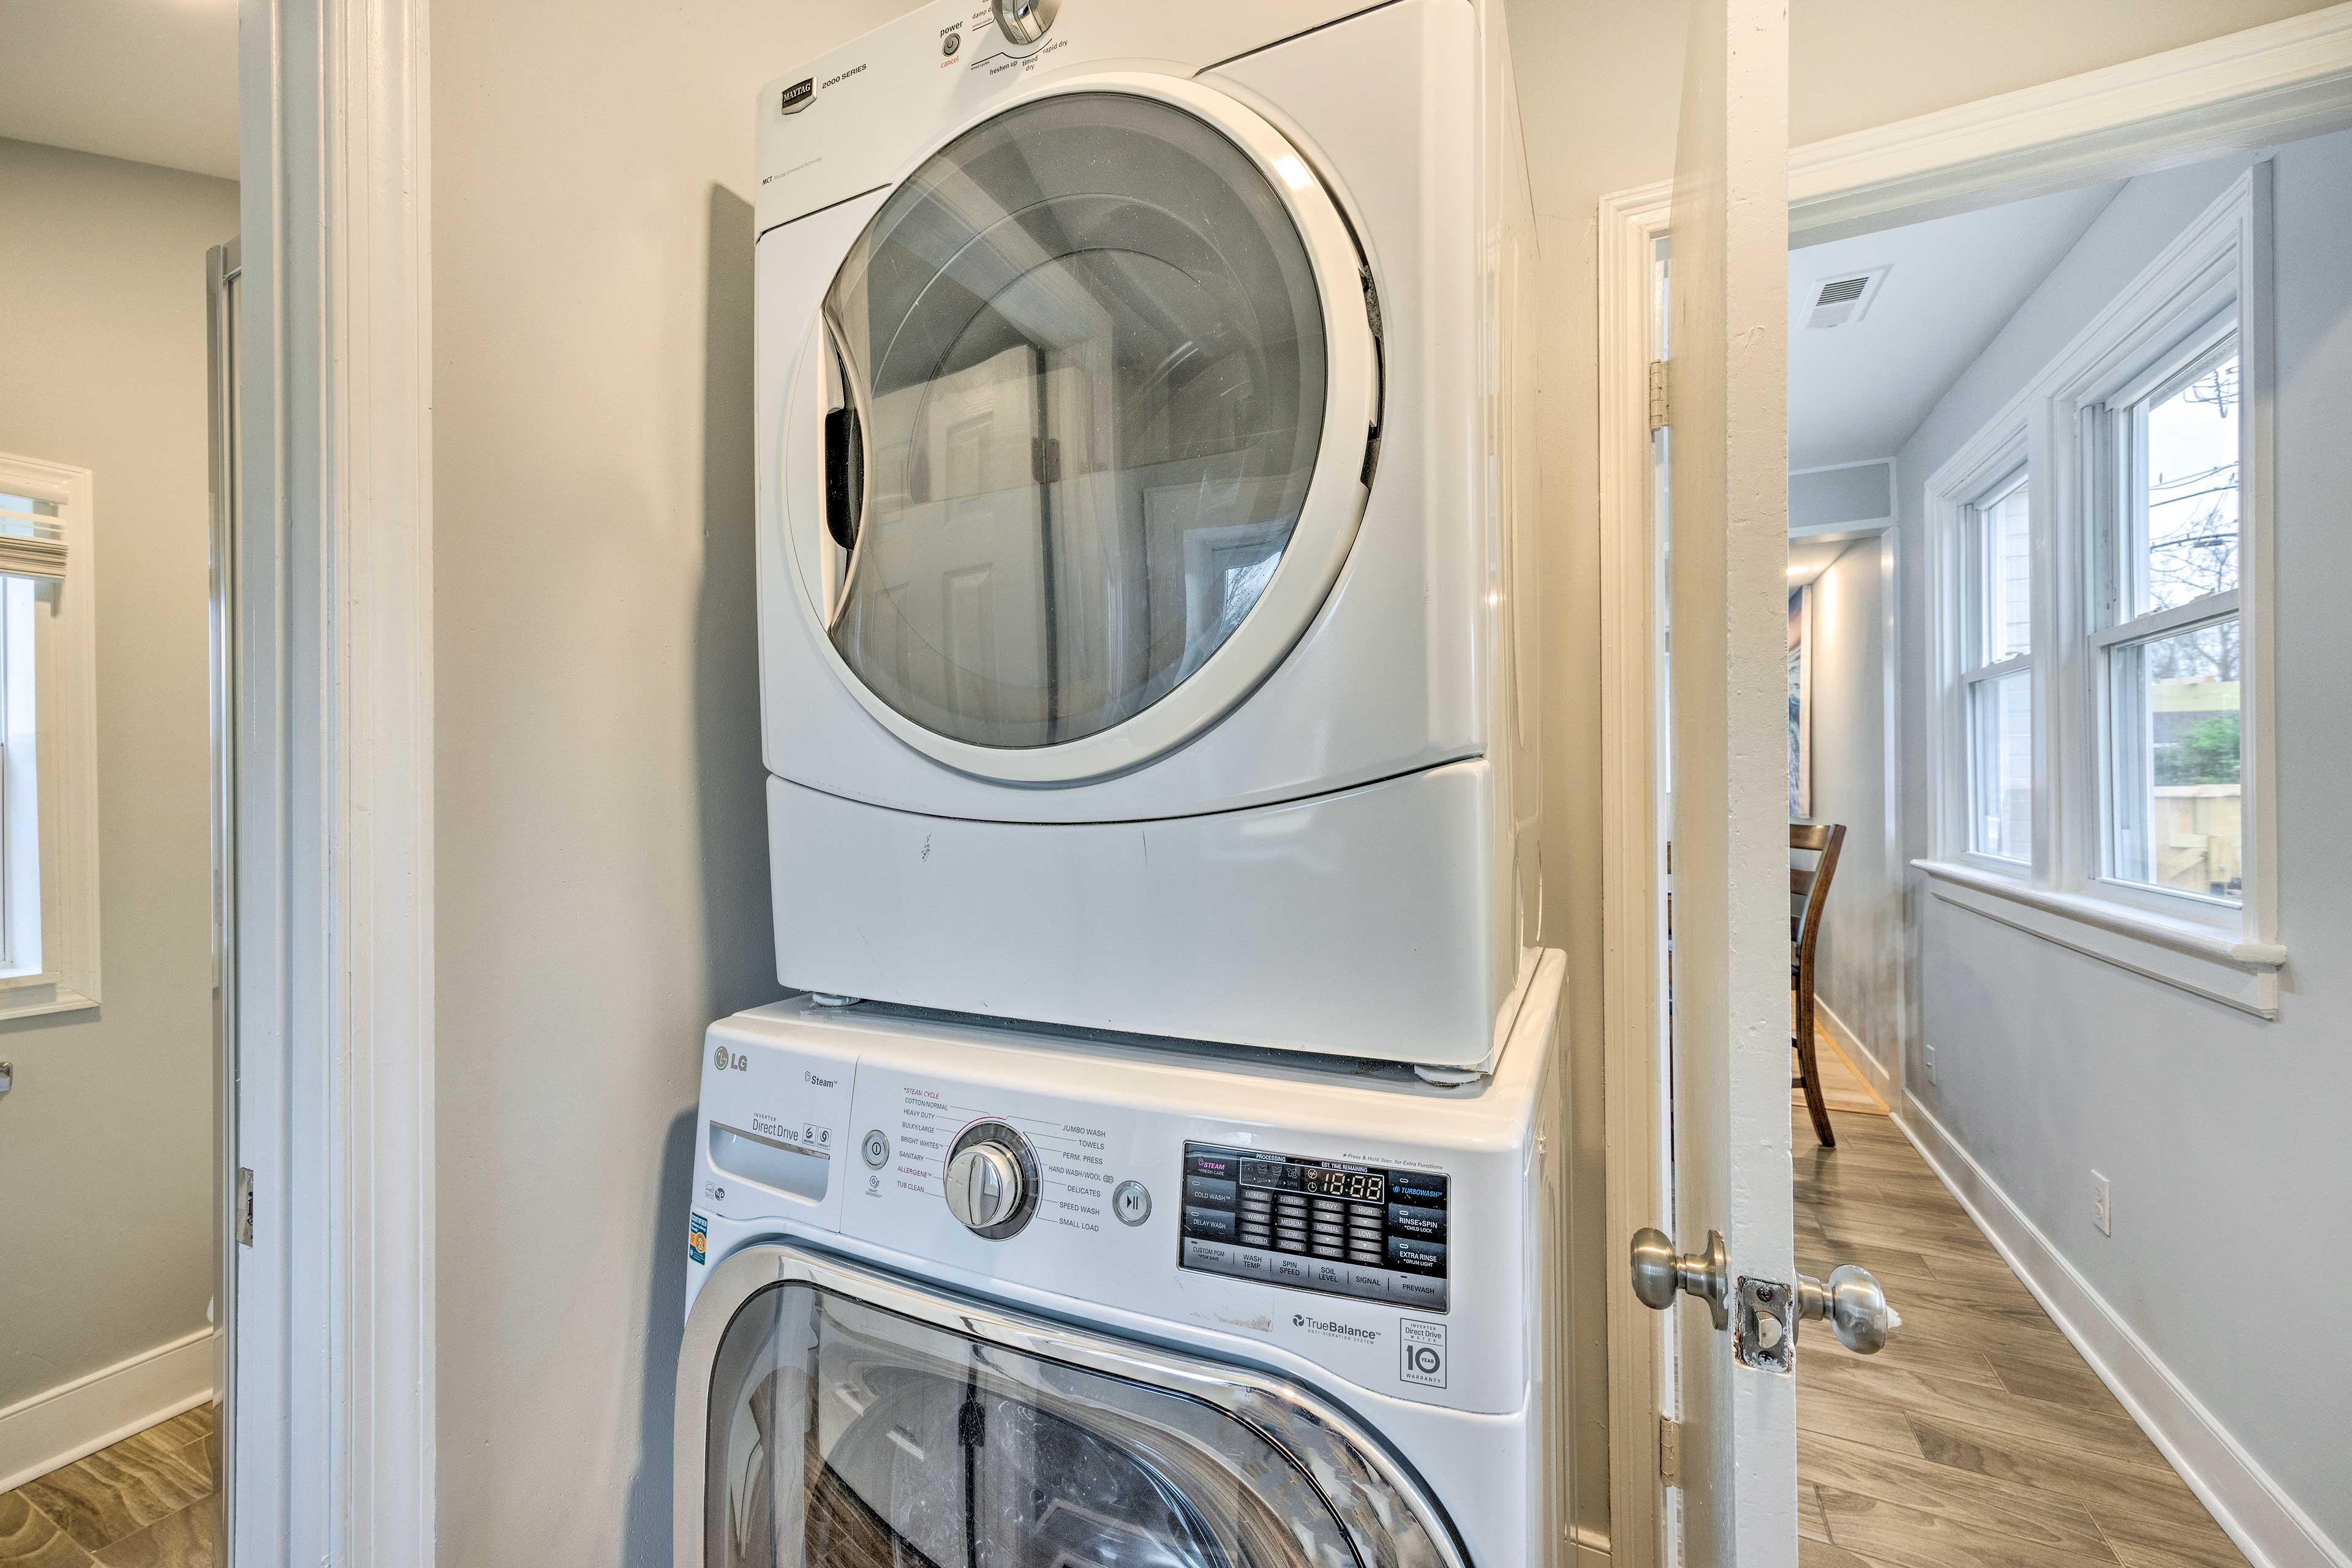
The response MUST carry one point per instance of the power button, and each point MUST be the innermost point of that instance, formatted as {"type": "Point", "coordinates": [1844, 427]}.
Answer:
{"type": "Point", "coordinates": [876, 1149]}
{"type": "Point", "coordinates": [1131, 1202]}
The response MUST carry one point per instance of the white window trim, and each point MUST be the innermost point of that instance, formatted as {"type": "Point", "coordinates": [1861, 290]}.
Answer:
{"type": "Point", "coordinates": [2220, 266]}
{"type": "Point", "coordinates": [65, 722]}
{"type": "Point", "coordinates": [1953, 612]}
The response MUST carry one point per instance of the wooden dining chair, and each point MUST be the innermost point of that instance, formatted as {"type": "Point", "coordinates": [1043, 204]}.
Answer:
{"type": "Point", "coordinates": [1809, 890]}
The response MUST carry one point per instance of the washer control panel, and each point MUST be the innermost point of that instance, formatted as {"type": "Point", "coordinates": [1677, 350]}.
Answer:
{"type": "Point", "coordinates": [1374, 1232]}
{"type": "Point", "coordinates": [1314, 1221]}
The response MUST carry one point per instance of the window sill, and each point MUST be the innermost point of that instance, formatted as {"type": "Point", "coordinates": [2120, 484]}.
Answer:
{"type": "Point", "coordinates": [31, 995]}
{"type": "Point", "coordinates": [2199, 958]}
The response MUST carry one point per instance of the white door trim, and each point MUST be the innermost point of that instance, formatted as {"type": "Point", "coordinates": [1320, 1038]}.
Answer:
{"type": "Point", "coordinates": [2242, 91]}
{"type": "Point", "coordinates": [332, 1415]}
{"type": "Point", "coordinates": [2251, 89]}
{"type": "Point", "coordinates": [1639, 1191]}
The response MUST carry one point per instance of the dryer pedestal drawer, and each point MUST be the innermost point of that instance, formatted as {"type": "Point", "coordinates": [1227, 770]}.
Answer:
{"type": "Point", "coordinates": [1241, 927]}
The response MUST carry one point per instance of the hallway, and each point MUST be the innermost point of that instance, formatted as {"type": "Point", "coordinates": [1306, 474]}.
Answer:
{"type": "Point", "coordinates": [1980, 1439]}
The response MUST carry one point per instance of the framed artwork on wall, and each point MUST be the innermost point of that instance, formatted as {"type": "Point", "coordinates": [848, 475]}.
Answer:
{"type": "Point", "coordinates": [1800, 703]}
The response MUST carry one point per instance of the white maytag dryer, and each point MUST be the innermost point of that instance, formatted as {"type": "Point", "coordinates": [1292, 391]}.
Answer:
{"type": "Point", "coordinates": [1142, 521]}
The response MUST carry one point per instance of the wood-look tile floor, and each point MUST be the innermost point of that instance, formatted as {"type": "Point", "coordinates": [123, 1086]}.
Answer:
{"type": "Point", "coordinates": [146, 1502]}
{"type": "Point", "coordinates": [1843, 1088]}
{"type": "Point", "coordinates": [1979, 1438]}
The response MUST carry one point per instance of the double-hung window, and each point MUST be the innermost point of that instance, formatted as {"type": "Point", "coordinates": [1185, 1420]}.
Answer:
{"type": "Point", "coordinates": [49, 766]}
{"type": "Point", "coordinates": [2098, 614]}
{"type": "Point", "coordinates": [1998, 629]}
{"type": "Point", "coordinates": [2168, 661]}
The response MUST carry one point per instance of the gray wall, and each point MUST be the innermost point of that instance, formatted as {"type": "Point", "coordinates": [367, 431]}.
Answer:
{"type": "Point", "coordinates": [1858, 962]}
{"type": "Point", "coordinates": [1857, 492]}
{"type": "Point", "coordinates": [2215, 1128]}
{"type": "Point", "coordinates": [106, 1156]}
{"type": "Point", "coordinates": [600, 885]}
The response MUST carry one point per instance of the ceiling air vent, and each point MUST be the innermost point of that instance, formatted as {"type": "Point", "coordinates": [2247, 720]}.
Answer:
{"type": "Point", "coordinates": [1840, 301]}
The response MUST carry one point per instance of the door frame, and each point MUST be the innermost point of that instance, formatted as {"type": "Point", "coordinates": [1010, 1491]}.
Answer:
{"type": "Point", "coordinates": [2244, 91]}
{"type": "Point", "coordinates": [332, 1397]}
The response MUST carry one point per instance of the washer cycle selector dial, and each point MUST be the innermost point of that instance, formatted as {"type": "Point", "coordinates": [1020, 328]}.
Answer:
{"type": "Point", "coordinates": [983, 1185]}
{"type": "Point", "coordinates": [991, 1179]}
{"type": "Point", "coordinates": [1025, 21]}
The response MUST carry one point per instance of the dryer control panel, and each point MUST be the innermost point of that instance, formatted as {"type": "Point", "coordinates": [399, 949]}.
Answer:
{"type": "Point", "coordinates": [1373, 1232]}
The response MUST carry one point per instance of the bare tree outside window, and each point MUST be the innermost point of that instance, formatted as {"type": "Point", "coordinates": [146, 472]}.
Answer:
{"type": "Point", "coordinates": [2192, 442]}
{"type": "Point", "coordinates": [2177, 713]}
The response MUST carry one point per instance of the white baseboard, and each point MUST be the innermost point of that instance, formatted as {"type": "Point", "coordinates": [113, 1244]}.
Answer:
{"type": "Point", "coordinates": [2264, 1521]}
{"type": "Point", "coordinates": [58, 1426]}
{"type": "Point", "coordinates": [1875, 1072]}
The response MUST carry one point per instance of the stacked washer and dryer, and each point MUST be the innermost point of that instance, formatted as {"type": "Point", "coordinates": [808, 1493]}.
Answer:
{"type": "Point", "coordinates": [1163, 1162]}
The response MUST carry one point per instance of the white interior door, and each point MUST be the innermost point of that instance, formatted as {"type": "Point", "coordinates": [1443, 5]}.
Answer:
{"type": "Point", "coordinates": [1728, 381]}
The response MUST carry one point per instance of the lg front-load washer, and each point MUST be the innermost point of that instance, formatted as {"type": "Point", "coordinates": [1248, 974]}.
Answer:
{"type": "Point", "coordinates": [1143, 517]}
{"type": "Point", "coordinates": [970, 1294]}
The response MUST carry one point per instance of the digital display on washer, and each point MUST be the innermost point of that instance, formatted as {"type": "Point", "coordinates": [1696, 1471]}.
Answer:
{"type": "Point", "coordinates": [1366, 1231]}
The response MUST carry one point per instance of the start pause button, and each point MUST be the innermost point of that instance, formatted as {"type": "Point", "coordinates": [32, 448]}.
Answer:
{"type": "Point", "coordinates": [1424, 1353]}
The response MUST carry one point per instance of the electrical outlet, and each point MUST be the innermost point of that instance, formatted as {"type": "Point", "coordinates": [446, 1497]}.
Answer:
{"type": "Point", "coordinates": [1931, 1064]}
{"type": "Point", "coordinates": [2102, 1207]}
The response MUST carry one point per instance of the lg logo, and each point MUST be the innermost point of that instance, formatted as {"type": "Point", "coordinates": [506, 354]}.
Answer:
{"type": "Point", "coordinates": [722, 1061]}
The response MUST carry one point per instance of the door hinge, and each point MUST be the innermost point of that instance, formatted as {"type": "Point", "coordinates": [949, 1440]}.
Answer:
{"type": "Point", "coordinates": [1661, 410]}
{"type": "Point", "coordinates": [1670, 1451]}
{"type": "Point", "coordinates": [1046, 460]}
{"type": "Point", "coordinates": [244, 1206]}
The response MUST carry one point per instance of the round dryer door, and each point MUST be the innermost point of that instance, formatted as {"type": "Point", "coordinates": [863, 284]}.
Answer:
{"type": "Point", "coordinates": [839, 1418]}
{"type": "Point", "coordinates": [1098, 386]}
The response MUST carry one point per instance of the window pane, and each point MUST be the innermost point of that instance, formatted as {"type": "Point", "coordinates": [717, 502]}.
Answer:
{"type": "Point", "coordinates": [2000, 742]}
{"type": "Point", "coordinates": [2191, 447]}
{"type": "Point", "coordinates": [2009, 576]}
{"type": "Point", "coordinates": [2179, 819]}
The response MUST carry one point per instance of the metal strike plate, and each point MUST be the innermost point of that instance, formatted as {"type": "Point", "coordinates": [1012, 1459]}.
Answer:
{"type": "Point", "coordinates": [1765, 1336]}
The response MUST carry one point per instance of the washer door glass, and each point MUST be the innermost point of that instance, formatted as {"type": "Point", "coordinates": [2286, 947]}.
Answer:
{"type": "Point", "coordinates": [1086, 347]}
{"type": "Point", "coordinates": [844, 1436]}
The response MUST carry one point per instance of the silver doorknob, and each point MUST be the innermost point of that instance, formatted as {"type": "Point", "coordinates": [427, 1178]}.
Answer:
{"type": "Point", "coordinates": [1853, 1303]}
{"type": "Point", "coordinates": [983, 1185]}
{"type": "Point", "coordinates": [1660, 1273]}
{"type": "Point", "coordinates": [1025, 21]}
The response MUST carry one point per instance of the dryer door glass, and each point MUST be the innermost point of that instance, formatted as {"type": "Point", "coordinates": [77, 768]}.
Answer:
{"type": "Point", "coordinates": [1086, 347]}
{"type": "Point", "coordinates": [842, 1436]}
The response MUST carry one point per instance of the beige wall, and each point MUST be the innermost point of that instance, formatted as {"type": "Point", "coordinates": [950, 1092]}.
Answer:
{"type": "Point", "coordinates": [602, 871]}
{"type": "Point", "coordinates": [106, 1156]}
{"type": "Point", "coordinates": [602, 891]}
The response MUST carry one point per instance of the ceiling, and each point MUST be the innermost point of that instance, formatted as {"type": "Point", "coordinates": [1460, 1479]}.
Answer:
{"type": "Point", "coordinates": [1860, 390]}
{"type": "Point", "coordinates": [150, 81]}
